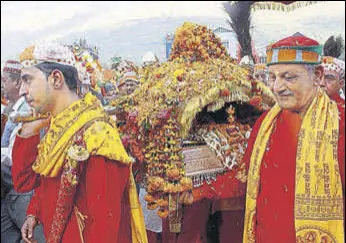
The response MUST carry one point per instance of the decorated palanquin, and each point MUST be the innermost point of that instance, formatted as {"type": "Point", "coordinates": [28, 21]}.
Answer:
{"type": "Point", "coordinates": [190, 119]}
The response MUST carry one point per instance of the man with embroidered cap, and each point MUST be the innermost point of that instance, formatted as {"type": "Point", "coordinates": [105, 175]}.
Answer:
{"type": "Point", "coordinates": [81, 173]}
{"type": "Point", "coordinates": [13, 204]}
{"type": "Point", "coordinates": [296, 154]}
{"type": "Point", "coordinates": [334, 78]}
{"type": "Point", "coordinates": [11, 82]}
{"type": "Point", "coordinates": [128, 83]}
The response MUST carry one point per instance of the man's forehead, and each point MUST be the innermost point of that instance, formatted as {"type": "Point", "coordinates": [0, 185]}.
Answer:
{"type": "Point", "coordinates": [130, 82]}
{"type": "Point", "coordinates": [331, 72]}
{"type": "Point", "coordinates": [29, 71]}
{"type": "Point", "coordinates": [284, 68]}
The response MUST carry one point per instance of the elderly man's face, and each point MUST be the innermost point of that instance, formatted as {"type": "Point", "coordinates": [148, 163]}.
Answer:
{"type": "Point", "coordinates": [293, 85]}
{"type": "Point", "coordinates": [37, 91]}
{"type": "Point", "coordinates": [332, 82]}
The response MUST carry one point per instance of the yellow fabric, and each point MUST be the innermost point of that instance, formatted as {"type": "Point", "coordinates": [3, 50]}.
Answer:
{"type": "Point", "coordinates": [318, 191]}
{"type": "Point", "coordinates": [289, 55]}
{"type": "Point", "coordinates": [27, 54]}
{"type": "Point", "coordinates": [52, 148]}
{"type": "Point", "coordinates": [138, 229]}
{"type": "Point", "coordinates": [101, 137]}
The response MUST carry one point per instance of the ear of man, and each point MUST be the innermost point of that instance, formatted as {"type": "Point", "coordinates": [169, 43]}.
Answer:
{"type": "Point", "coordinates": [58, 79]}
{"type": "Point", "coordinates": [318, 76]}
{"type": "Point", "coordinates": [18, 83]}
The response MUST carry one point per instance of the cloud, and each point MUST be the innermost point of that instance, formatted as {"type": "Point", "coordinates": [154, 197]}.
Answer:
{"type": "Point", "coordinates": [35, 16]}
{"type": "Point", "coordinates": [132, 28]}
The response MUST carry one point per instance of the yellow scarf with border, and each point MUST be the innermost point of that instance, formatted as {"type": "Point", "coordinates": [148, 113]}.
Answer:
{"type": "Point", "coordinates": [318, 209]}
{"type": "Point", "coordinates": [101, 138]}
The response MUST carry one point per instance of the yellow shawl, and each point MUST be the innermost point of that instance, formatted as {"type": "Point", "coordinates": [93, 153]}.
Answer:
{"type": "Point", "coordinates": [101, 138]}
{"type": "Point", "coordinates": [318, 209]}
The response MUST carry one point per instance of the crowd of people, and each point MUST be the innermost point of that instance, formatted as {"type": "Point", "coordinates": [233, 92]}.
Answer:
{"type": "Point", "coordinates": [70, 170]}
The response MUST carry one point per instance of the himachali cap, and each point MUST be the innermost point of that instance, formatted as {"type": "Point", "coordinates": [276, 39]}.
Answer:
{"type": "Point", "coordinates": [128, 76]}
{"type": "Point", "coordinates": [296, 49]}
{"type": "Point", "coordinates": [334, 64]}
{"type": "Point", "coordinates": [47, 52]}
{"type": "Point", "coordinates": [12, 66]}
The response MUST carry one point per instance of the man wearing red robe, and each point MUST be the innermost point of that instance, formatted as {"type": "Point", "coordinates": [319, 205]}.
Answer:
{"type": "Point", "coordinates": [80, 171]}
{"type": "Point", "coordinates": [275, 212]}
{"type": "Point", "coordinates": [334, 78]}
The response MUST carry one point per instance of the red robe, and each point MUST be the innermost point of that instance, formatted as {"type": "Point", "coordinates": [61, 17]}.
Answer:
{"type": "Point", "coordinates": [340, 101]}
{"type": "Point", "coordinates": [100, 195]}
{"type": "Point", "coordinates": [275, 201]}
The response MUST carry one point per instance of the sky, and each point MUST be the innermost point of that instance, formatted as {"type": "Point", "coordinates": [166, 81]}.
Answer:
{"type": "Point", "coordinates": [130, 29]}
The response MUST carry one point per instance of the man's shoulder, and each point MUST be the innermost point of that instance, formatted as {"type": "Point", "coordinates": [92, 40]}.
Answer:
{"type": "Point", "coordinates": [101, 133]}
{"type": "Point", "coordinates": [341, 108]}
{"type": "Point", "coordinates": [103, 125]}
{"type": "Point", "coordinates": [102, 138]}
{"type": "Point", "coordinates": [260, 119]}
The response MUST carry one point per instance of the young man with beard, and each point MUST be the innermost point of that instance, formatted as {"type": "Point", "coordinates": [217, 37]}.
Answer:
{"type": "Point", "coordinates": [81, 173]}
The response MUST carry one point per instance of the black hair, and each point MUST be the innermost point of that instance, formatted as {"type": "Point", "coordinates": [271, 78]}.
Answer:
{"type": "Point", "coordinates": [334, 46]}
{"type": "Point", "coordinates": [13, 76]}
{"type": "Point", "coordinates": [70, 73]}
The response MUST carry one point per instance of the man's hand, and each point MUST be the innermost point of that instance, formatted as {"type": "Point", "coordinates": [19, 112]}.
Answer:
{"type": "Point", "coordinates": [32, 128]}
{"type": "Point", "coordinates": [28, 229]}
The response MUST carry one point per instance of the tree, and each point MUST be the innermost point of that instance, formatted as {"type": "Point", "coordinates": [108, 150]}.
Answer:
{"type": "Point", "coordinates": [334, 46]}
{"type": "Point", "coordinates": [239, 13]}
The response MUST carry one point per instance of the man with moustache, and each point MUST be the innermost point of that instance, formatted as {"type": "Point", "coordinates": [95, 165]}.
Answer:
{"type": "Point", "coordinates": [334, 78]}
{"type": "Point", "coordinates": [295, 155]}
